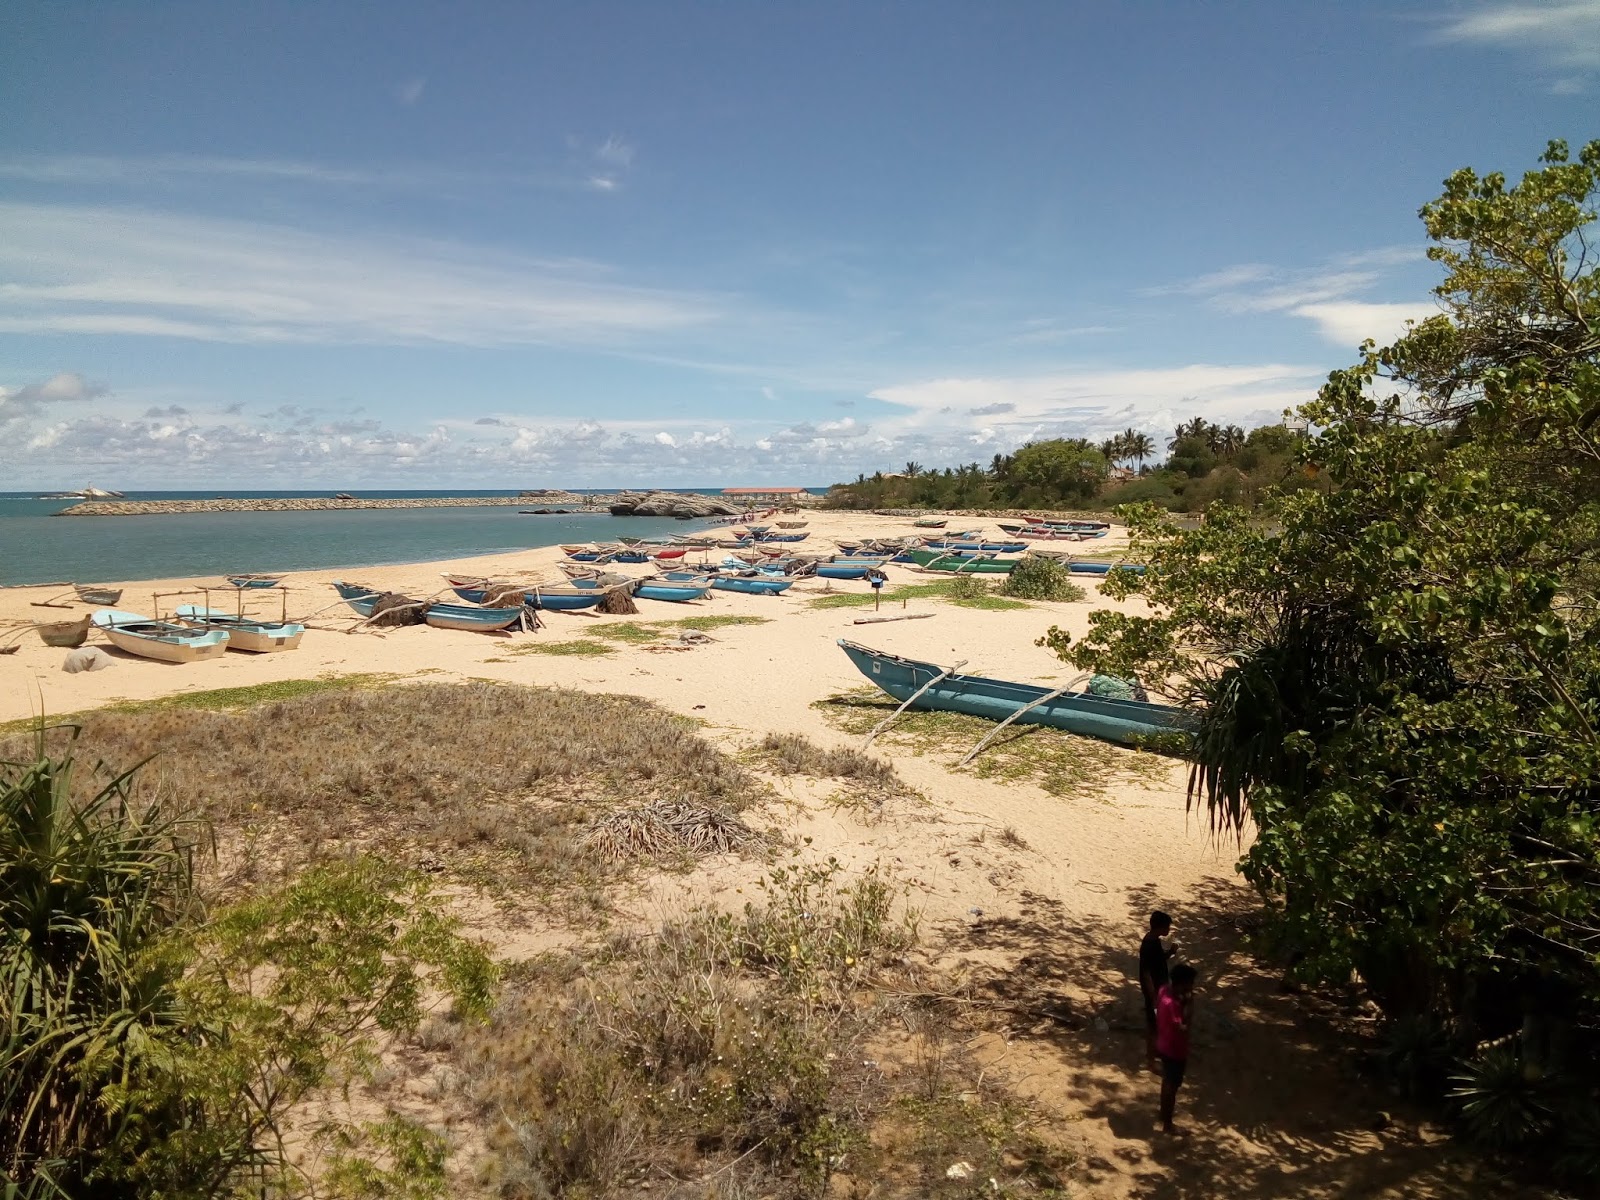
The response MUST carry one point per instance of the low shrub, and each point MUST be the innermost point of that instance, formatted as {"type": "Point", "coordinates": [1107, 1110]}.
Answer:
{"type": "Point", "coordinates": [1038, 578]}
{"type": "Point", "coordinates": [723, 1036]}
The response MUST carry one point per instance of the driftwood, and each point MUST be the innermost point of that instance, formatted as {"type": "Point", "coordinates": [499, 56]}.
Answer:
{"type": "Point", "coordinates": [910, 700]}
{"type": "Point", "coordinates": [900, 617]}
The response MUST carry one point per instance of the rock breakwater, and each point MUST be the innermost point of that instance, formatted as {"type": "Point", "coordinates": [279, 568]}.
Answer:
{"type": "Point", "coordinates": [144, 508]}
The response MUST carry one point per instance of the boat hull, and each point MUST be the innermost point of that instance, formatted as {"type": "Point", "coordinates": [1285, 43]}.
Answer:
{"type": "Point", "coordinates": [1126, 722]}
{"type": "Point", "coordinates": [673, 592]}
{"type": "Point", "coordinates": [163, 641]}
{"type": "Point", "coordinates": [471, 620]}
{"type": "Point", "coordinates": [759, 587]}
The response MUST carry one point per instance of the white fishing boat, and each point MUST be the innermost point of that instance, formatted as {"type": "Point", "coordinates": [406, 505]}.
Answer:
{"type": "Point", "coordinates": [165, 641]}
{"type": "Point", "coordinates": [250, 634]}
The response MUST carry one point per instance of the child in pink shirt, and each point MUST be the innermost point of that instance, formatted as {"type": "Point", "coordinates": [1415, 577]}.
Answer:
{"type": "Point", "coordinates": [1174, 1005]}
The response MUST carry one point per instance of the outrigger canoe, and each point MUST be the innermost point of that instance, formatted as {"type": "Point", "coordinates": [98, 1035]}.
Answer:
{"type": "Point", "coordinates": [761, 585]}
{"type": "Point", "coordinates": [1128, 722]}
{"type": "Point", "coordinates": [164, 641]}
{"type": "Point", "coordinates": [674, 590]}
{"type": "Point", "coordinates": [251, 634]}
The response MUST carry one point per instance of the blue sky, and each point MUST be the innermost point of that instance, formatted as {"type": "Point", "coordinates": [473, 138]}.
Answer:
{"type": "Point", "coordinates": [418, 245]}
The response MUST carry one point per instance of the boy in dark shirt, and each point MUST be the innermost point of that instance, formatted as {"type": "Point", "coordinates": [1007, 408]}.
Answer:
{"type": "Point", "coordinates": [1153, 956]}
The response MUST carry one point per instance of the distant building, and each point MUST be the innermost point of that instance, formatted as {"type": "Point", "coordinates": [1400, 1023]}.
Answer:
{"type": "Point", "coordinates": [1123, 474]}
{"type": "Point", "coordinates": [763, 495]}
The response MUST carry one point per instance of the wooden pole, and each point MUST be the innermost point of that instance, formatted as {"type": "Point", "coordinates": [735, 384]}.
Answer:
{"type": "Point", "coordinates": [912, 699]}
{"type": "Point", "coordinates": [897, 617]}
{"type": "Point", "coordinates": [995, 732]}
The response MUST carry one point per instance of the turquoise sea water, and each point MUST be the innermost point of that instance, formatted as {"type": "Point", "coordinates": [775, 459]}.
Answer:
{"type": "Point", "coordinates": [36, 547]}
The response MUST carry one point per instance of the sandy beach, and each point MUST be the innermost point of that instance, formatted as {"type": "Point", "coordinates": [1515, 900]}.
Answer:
{"type": "Point", "coordinates": [1056, 906]}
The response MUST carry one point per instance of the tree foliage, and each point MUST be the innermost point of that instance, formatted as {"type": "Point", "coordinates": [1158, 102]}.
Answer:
{"type": "Point", "coordinates": [1400, 670]}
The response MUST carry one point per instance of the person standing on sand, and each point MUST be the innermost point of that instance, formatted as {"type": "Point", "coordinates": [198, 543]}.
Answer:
{"type": "Point", "coordinates": [1153, 956]}
{"type": "Point", "coordinates": [1174, 1013]}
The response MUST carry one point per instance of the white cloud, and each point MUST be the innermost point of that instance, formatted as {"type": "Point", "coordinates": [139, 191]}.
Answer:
{"type": "Point", "coordinates": [1351, 322]}
{"type": "Point", "coordinates": [1327, 295]}
{"type": "Point", "coordinates": [1565, 33]}
{"type": "Point", "coordinates": [665, 439]}
{"type": "Point", "coordinates": [102, 270]}
{"type": "Point", "coordinates": [409, 92]}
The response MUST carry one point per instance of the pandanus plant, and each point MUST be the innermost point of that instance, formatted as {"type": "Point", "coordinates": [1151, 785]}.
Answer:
{"type": "Point", "coordinates": [88, 887]}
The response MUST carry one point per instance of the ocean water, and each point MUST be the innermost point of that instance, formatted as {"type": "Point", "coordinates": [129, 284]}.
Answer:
{"type": "Point", "coordinates": [37, 547]}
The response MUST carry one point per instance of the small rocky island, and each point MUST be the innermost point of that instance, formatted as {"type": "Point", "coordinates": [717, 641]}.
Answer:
{"type": "Point", "coordinates": [669, 504]}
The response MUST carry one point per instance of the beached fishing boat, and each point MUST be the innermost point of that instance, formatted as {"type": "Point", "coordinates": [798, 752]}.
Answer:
{"type": "Point", "coordinates": [972, 564]}
{"type": "Point", "coordinates": [1102, 568]}
{"type": "Point", "coordinates": [671, 553]}
{"type": "Point", "coordinates": [91, 594]}
{"type": "Point", "coordinates": [793, 524]}
{"type": "Point", "coordinates": [849, 568]}
{"type": "Point", "coordinates": [976, 544]}
{"type": "Point", "coordinates": [250, 634]}
{"type": "Point", "coordinates": [254, 581]}
{"type": "Point", "coordinates": [783, 537]}
{"type": "Point", "coordinates": [934, 523]}
{"type": "Point", "coordinates": [760, 585]}
{"type": "Point", "coordinates": [579, 593]}
{"type": "Point", "coordinates": [67, 634]}
{"type": "Point", "coordinates": [1048, 533]}
{"type": "Point", "coordinates": [164, 641]}
{"type": "Point", "coordinates": [1129, 722]}
{"type": "Point", "coordinates": [476, 620]}
{"type": "Point", "coordinates": [674, 591]}
{"type": "Point", "coordinates": [360, 599]}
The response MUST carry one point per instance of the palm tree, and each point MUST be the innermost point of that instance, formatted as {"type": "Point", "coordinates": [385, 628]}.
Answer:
{"type": "Point", "coordinates": [1230, 440]}
{"type": "Point", "coordinates": [1197, 428]}
{"type": "Point", "coordinates": [1138, 446]}
{"type": "Point", "coordinates": [913, 469]}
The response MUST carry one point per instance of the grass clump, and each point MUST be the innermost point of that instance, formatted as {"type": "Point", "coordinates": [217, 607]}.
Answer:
{"type": "Point", "coordinates": [722, 621]}
{"type": "Point", "coordinates": [724, 1042]}
{"type": "Point", "coordinates": [490, 784]}
{"type": "Point", "coordinates": [1062, 763]}
{"type": "Point", "coordinates": [967, 591]}
{"type": "Point", "coordinates": [796, 754]}
{"type": "Point", "coordinates": [220, 699]}
{"type": "Point", "coordinates": [577, 647]}
{"type": "Point", "coordinates": [627, 631]}
{"type": "Point", "coordinates": [1037, 578]}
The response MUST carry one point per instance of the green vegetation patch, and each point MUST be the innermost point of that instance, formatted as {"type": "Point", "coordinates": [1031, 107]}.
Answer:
{"type": "Point", "coordinates": [1062, 763]}
{"type": "Point", "coordinates": [579, 647]}
{"type": "Point", "coordinates": [1038, 578]}
{"type": "Point", "coordinates": [959, 590]}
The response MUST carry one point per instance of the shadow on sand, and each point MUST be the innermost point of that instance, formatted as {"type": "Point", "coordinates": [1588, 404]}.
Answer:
{"type": "Point", "coordinates": [1275, 1104]}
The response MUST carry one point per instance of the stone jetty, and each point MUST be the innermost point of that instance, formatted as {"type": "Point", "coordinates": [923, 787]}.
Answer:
{"type": "Point", "coordinates": [668, 504]}
{"type": "Point", "coordinates": [144, 508]}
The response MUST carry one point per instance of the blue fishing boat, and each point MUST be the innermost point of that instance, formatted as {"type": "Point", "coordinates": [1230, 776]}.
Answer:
{"type": "Point", "coordinates": [467, 617]}
{"type": "Point", "coordinates": [856, 569]}
{"type": "Point", "coordinates": [164, 641]}
{"type": "Point", "coordinates": [782, 537]}
{"type": "Point", "coordinates": [1102, 568]}
{"type": "Point", "coordinates": [250, 634]}
{"type": "Point", "coordinates": [580, 593]}
{"type": "Point", "coordinates": [359, 598]}
{"type": "Point", "coordinates": [630, 556]}
{"type": "Point", "coordinates": [1129, 722]}
{"type": "Point", "coordinates": [254, 581]}
{"type": "Point", "coordinates": [675, 590]}
{"type": "Point", "coordinates": [760, 585]}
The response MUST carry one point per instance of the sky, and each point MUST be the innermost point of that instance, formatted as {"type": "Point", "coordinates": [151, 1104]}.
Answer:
{"type": "Point", "coordinates": [401, 244]}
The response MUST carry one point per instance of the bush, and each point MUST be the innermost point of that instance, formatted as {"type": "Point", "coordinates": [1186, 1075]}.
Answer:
{"type": "Point", "coordinates": [147, 1051]}
{"type": "Point", "coordinates": [724, 1034]}
{"type": "Point", "coordinates": [1037, 578]}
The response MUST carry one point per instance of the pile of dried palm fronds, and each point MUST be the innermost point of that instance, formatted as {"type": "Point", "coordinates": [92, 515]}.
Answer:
{"type": "Point", "coordinates": [617, 602]}
{"type": "Point", "coordinates": [665, 827]}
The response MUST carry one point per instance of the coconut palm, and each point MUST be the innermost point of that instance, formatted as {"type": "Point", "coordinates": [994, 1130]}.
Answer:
{"type": "Point", "coordinates": [913, 469]}
{"type": "Point", "coordinates": [1137, 445]}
